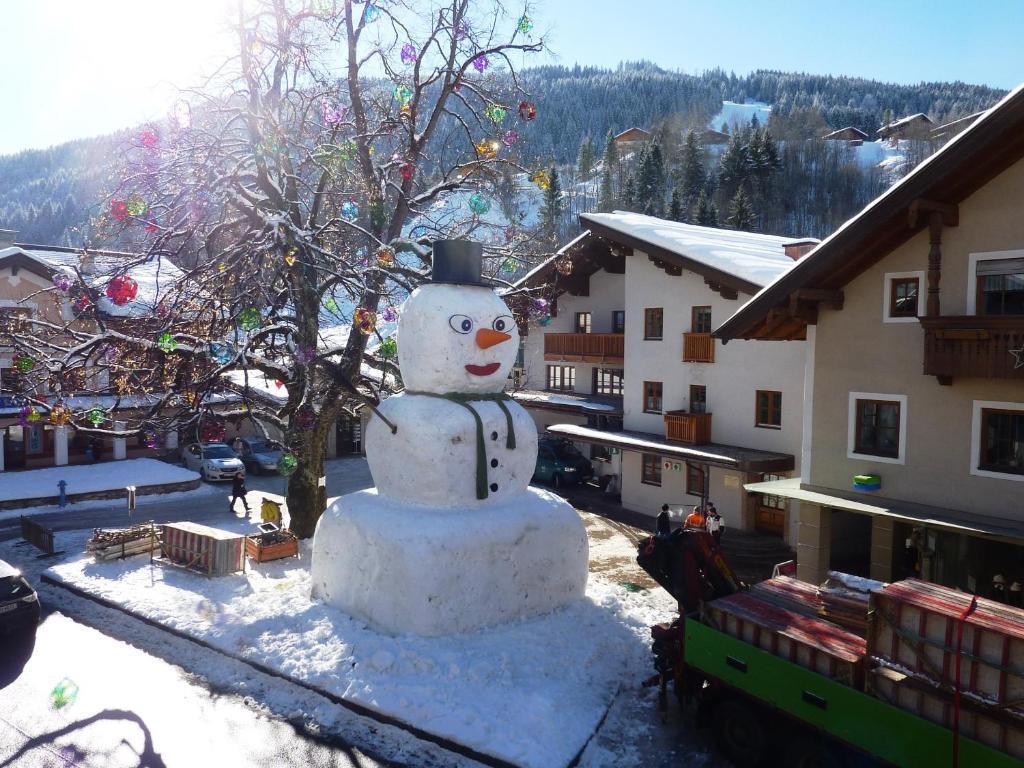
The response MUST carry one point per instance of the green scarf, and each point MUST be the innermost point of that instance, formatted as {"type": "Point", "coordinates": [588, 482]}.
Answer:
{"type": "Point", "coordinates": [481, 451]}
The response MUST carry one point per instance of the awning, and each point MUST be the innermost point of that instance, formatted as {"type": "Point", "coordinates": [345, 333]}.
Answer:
{"type": "Point", "coordinates": [919, 514]}
{"type": "Point", "coordinates": [712, 454]}
{"type": "Point", "coordinates": [551, 401]}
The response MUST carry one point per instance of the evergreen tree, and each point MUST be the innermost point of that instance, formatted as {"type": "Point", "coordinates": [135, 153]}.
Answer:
{"type": "Point", "coordinates": [692, 173]}
{"type": "Point", "coordinates": [734, 165]}
{"type": "Point", "coordinates": [553, 206]}
{"type": "Point", "coordinates": [712, 214]}
{"type": "Point", "coordinates": [675, 206]}
{"type": "Point", "coordinates": [650, 184]}
{"type": "Point", "coordinates": [702, 210]}
{"type": "Point", "coordinates": [611, 152]}
{"type": "Point", "coordinates": [585, 158]}
{"type": "Point", "coordinates": [629, 194]}
{"type": "Point", "coordinates": [606, 199]}
{"type": "Point", "coordinates": [741, 213]}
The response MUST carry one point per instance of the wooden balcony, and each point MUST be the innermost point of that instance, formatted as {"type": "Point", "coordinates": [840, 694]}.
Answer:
{"type": "Point", "coordinates": [698, 348]}
{"type": "Point", "coordinates": [686, 427]}
{"type": "Point", "coordinates": [584, 347]}
{"type": "Point", "coordinates": [973, 346]}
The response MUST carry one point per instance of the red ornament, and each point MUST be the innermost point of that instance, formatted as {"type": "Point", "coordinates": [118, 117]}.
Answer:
{"type": "Point", "coordinates": [212, 431]}
{"type": "Point", "coordinates": [278, 383]}
{"type": "Point", "coordinates": [408, 170]}
{"type": "Point", "coordinates": [148, 139]}
{"type": "Point", "coordinates": [119, 209]}
{"type": "Point", "coordinates": [527, 110]}
{"type": "Point", "coordinates": [122, 289]}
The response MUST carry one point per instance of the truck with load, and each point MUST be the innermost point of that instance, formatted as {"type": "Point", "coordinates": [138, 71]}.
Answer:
{"type": "Point", "coordinates": [852, 673]}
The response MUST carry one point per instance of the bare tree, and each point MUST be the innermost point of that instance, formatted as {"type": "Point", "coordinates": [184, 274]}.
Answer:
{"type": "Point", "coordinates": [299, 199]}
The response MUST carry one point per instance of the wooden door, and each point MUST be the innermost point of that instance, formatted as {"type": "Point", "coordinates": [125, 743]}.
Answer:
{"type": "Point", "coordinates": [770, 520]}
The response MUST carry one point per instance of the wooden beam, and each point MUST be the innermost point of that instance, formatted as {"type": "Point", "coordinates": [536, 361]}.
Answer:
{"type": "Point", "coordinates": [830, 296]}
{"type": "Point", "coordinates": [922, 208]}
{"type": "Point", "coordinates": [806, 311]}
{"type": "Point", "coordinates": [934, 262]}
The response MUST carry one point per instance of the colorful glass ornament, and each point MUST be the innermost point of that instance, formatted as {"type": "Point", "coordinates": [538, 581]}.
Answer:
{"type": "Point", "coordinates": [508, 266]}
{"type": "Point", "coordinates": [59, 414]}
{"type": "Point", "coordinates": [479, 204]}
{"type": "Point", "coordinates": [305, 418]}
{"type": "Point", "coordinates": [136, 206]}
{"type": "Point", "coordinates": [385, 256]}
{"type": "Point", "coordinates": [150, 438]}
{"type": "Point", "coordinates": [540, 307]}
{"type": "Point", "coordinates": [122, 289]}
{"type": "Point", "coordinates": [541, 179]}
{"type": "Point", "coordinates": [221, 354]}
{"type": "Point", "coordinates": [119, 209]}
{"type": "Point", "coordinates": [24, 363]}
{"type": "Point", "coordinates": [461, 30]}
{"type": "Point", "coordinates": [26, 414]}
{"type": "Point", "coordinates": [82, 303]}
{"type": "Point", "coordinates": [249, 319]}
{"type": "Point", "coordinates": [289, 256]}
{"type": "Point", "coordinates": [402, 94]}
{"type": "Point", "coordinates": [510, 137]}
{"type": "Point", "coordinates": [389, 315]}
{"type": "Point", "coordinates": [366, 320]}
{"type": "Point", "coordinates": [331, 305]}
{"type": "Point", "coordinates": [408, 54]}
{"type": "Point", "coordinates": [495, 113]}
{"type": "Point", "coordinates": [527, 110]}
{"type": "Point", "coordinates": [564, 266]}
{"type": "Point", "coordinates": [96, 416]}
{"type": "Point", "coordinates": [350, 210]}
{"type": "Point", "coordinates": [64, 693]}
{"type": "Point", "coordinates": [166, 343]}
{"type": "Point", "coordinates": [480, 63]}
{"type": "Point", "coordinates": [545, 321]}
{"type": "Point", "coordinates": [33, 415]}
{"type": "Point", "coordinates": [371, 13]}
{"type": "Point", "coordinates": [407, 170]}
{"type": "Point", "coordinates": [212, 431]}
{"type": "Point", "coordinates": [334, 116]}
{"type": "Point", "coordinates": [488, 148]}
{"type": "Point", "coordinates": [148, 138]}
{"type": "Point", "coordinates": [287, 464]}
{"type": "Point", "coordinates": [388, 349]}
{"type": "Point", "coordinates": [62, 282]}
{"type": "Point", "coordinates": [525, 24]}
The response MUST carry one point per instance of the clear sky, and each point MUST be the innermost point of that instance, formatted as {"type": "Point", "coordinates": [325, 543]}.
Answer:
{"type": "Point", "coordinates": [75, 68]}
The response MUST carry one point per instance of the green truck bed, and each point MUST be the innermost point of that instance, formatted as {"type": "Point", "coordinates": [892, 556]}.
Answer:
{"type": "Point", "coordinates": [855, 718]}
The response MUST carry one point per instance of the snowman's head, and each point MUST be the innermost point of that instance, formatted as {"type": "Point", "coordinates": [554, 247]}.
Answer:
{"type": "Point", "coordinates": [456, 338]}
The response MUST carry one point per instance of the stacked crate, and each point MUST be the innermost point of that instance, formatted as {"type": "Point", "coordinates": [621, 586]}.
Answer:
{"type": "Point", "coordinates": [912, 638]}
{"type": "Point", "coordinates": [204, 549]}
{"type": "Point", "coordinates": [804, 640]}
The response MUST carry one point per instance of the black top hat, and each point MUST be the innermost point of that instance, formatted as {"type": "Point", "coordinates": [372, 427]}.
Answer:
{"type": "Point", "coordinates": [458, 262]}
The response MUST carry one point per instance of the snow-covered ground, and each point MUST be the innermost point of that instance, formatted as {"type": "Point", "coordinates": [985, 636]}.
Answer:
{"type": "Point", "coordinates": [204, 492]}
{"type": "Point", "coordinates": [531, 692]}
{"type": "Point", "coordinates": [90, 478]}
{"type": "Point", "coordinates": [733, 114]}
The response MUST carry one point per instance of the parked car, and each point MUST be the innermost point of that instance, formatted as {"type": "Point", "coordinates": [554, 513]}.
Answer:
{"type": "Point", "coordinates": [19, 604]}
{"type": "Point", "coordinates": [213, 461]}
{"type": "Point", "coordinates": [560, 463]}
{"type": "Point", "coordinates": [257, 454]}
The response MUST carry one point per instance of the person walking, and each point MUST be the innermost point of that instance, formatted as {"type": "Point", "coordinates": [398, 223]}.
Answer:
{"type": "Point", "coordinates": [238, 491]}
{"type": "Point", "coordinates": [715, 524]}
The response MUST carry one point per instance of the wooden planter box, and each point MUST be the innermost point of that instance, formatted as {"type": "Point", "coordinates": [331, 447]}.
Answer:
{"type": "Point", "coordinates": [261, 553]}
{"type": "Point", "coordinates": [201, 548]}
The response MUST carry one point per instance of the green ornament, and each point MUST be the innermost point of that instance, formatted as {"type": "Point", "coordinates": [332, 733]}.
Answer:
{"type": "Point", "coordinates": [495, 113]}
{"type": "Point", "coordinates": [508, 266]}
{"type": "Point", "coordinates": [479, 204]}
{"type": "Point", "coordinates": [136, 206]}
{"type": "Point", "coordinates": [525, 24]}
{"type": "Point", "coordinates": [331, 305]}
{"type": "Point", "coordinates": [166, 343]}
{"type": "Point", "coordinates": [249, 319]}
{"type": "Point", "coordinates": [24, 363]}
{"type": "Point", "coordinates": [287, 464]}
{"type": "Point", "coordinates": [388, 348]}
{"type": "Point", "coordinates": [96, 416]}
{"type": "Point", "coordinates": [402, 94]}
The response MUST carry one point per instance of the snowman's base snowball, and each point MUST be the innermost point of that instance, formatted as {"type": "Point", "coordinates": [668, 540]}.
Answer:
{"type": "Point", "coordinates": [411, 569]}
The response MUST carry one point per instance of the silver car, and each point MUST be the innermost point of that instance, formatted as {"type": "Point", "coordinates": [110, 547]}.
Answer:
{"type": "Point", "coordinates": [213, 461]}
{"type": "Point", "coordinates": [257, 454]}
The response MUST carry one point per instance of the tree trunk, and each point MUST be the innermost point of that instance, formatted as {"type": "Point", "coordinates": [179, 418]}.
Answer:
{"type": "Point", "coordinates": [306, 498]}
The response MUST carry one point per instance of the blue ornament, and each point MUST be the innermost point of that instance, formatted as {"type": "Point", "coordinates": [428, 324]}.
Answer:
{"type": "Point", "coordinates": [350, 211]}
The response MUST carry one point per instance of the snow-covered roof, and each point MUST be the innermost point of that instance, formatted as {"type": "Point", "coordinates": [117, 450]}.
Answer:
{"type": "Point", "coordinates": [259, 384]}
{"type": "Point", "coordinates": [107, 402]}
{"type": "Point", "coordinates": [755, 258]}
{"type": "Point", "coordinates": [904, 121]}
{"type": "Point", "coordinates": [536, 397]}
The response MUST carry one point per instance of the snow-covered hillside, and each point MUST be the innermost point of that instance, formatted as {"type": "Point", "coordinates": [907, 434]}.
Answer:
{"type": "Point", "coordinates": [733, 114]}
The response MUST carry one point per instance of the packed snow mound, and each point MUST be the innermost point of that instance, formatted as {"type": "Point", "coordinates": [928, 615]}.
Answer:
{"type": "Point", "coordinates": [734, 114]}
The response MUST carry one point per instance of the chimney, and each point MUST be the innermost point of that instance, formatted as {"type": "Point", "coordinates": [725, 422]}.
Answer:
{"type": "Point", "coordinates": [87, 262]}
{"type": "Point", "coordinates": [7, 237]}
{"type": "Point", "coordinates": [797, 249]}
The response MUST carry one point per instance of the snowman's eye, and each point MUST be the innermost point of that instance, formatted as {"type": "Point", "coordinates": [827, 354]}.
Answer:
{"type": "Point", "coordinates": [502, 323]}
{"type": "Point", "coordinates": [460, 323]}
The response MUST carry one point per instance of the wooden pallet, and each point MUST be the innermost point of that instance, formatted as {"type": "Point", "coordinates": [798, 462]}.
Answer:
{"type": "Point", "coordinates": [210, 551]}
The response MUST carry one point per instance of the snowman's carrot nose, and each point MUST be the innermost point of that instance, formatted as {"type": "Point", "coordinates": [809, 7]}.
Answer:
{"type": "Point", "coordinates": [485, 338]}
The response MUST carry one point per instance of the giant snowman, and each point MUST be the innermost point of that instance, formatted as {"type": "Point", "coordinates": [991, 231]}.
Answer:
{"type": "Point", "coordinates": [451, 539]}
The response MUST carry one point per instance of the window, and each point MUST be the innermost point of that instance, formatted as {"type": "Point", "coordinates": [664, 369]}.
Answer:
{"type": "Point", "coordinates": [561, 378]}
{"type": "Point", "coordinates": [652, 397]}
{"type": "Point", "coordinates": [700, 320]}
{"type": "Point", "coordinates": [767, 499]}
{"type": "Point", "coordinates": [878, 428]}
{"type": "Point", "coordinates": [694, 480]}
{"type": "Point", "coordinates": [698, 398]}
{"type": "Point", "coordinates": [903, 296]}
{"type": "Point", "coordinates": [768, 412]}
{"type": "Point", "coordinates": [1002, 441]}
{"type": "Point", "coordinates": [619, 321]}
{"type": "Point", "coordinates": [582, 324]}
{"type": "Point", "coordinates": [651, 470]}
{"type": "Point", "coordinates": [607, 381]}
{"type": "Point", "coordinates": [653, 323]}
{"type": "Point", "coordinates": [1000, 287]}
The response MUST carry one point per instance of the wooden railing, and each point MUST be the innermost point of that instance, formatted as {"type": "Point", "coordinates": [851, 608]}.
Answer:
{"type": "Point", "coordinates": [686, 427]}
{"type": "Point", "coordinates": [698, 348]}
{"type": "Point", "coordinates": [584, 347]}
{"type": "Point", "coordinates": [974, 346]}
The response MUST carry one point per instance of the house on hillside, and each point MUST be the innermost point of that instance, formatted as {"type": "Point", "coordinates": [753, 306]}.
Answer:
{"type": "Point", "coordinates": [710, 137]}
{"type": "Point", "coordinates": [947, 131]}
{"type": "Point", "coordinates": [913, 448]}
{"type": "Point", "coordinates": [630, 138]}
{"type": "Point", "coordinates": [911, 127]}
{"type": "Point", "coordinates": [627, 367]}
{"type": "Point", "coordinates": [849, 133]}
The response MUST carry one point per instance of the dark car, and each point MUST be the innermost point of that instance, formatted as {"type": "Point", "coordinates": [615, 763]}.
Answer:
{"type": "Point", "coordinates": [560, 463]}
{"type": "Point", "coordinates": [19, 604]}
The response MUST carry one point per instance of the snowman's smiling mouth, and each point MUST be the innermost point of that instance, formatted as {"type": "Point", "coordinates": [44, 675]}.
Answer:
{"type": "Point", "coordinates": [483, 370]}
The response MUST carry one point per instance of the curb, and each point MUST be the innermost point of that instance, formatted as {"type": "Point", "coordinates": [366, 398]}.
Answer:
{"type": "Point", "coordinates": [113, 493]}
{"type": "Point", "coordinates": [359, 709]}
